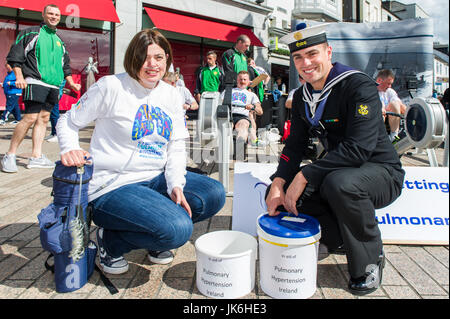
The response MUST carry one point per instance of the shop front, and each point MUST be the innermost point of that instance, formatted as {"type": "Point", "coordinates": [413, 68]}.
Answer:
{"type": "Point", "coordinates": [85, 28]}
{"type": "Point", "coordinates": [193, 36]}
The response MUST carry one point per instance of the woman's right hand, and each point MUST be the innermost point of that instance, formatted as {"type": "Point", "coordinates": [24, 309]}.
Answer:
{"type": "Point", "coordinates": [75, 158]}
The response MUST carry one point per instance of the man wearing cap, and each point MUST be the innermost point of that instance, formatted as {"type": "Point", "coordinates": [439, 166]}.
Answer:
{"type": "Point", "coordinates": [360, 171]}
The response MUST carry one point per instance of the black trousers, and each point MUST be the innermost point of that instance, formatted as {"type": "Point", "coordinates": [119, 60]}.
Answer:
{"type": "Point", "coordinates": [345, 208]}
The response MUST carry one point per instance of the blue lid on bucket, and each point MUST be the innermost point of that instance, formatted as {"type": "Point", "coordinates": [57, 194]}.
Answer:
{"type": "Point", "coordinates": [289, 226]}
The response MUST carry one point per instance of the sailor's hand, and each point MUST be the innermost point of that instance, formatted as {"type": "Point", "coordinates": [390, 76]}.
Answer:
{"type": "Point", "coordinates": [293, 193]}
{"type": "Point", "coordinates": [275, 197]}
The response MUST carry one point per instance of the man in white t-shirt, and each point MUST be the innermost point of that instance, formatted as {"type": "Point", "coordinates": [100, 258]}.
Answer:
{"type": "Point", "coordinates": [242, 103]}
{"type": "Point", "coordinates": [390, 100]}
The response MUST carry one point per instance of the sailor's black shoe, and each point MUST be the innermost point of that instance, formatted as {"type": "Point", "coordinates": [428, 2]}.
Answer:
{"type": "Point", "coordinates": [371, 280]}
{"type": "Point", "coordinates": [337, 251]}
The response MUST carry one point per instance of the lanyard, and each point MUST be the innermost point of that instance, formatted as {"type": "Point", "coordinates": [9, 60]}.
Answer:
{"type": "Point", "coordinates": [317, 129]}
{"type": "Point", "coordinates": [316, 116]}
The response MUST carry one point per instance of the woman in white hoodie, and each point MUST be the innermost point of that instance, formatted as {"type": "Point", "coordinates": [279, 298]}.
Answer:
{"type": "Point", "coordinates": [140, 192]}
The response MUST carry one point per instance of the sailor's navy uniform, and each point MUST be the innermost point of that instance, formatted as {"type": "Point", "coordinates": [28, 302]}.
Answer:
{"type": "Point", "coordinates": [360, 171]}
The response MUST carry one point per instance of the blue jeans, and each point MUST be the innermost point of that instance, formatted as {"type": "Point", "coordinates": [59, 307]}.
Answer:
{"type": "Point", "coordinates": [142, 215]}
{"type": "Point", "coordinates": [12, 106]}
{"type": "Point", "coordinates": [54, 116]}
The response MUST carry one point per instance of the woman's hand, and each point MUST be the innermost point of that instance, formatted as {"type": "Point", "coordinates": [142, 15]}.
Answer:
{"type": "Point", "coordinates": [75, 158]}
{"type": "Point", "coordinates": [178, 197]}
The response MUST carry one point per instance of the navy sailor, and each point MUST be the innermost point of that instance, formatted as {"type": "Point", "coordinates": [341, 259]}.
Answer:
{"type": "Point", "coordinates": [360, 171]}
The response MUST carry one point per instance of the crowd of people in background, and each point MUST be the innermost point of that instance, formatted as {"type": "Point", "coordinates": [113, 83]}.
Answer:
{"type": "Point", "coordinates": [209, 77]}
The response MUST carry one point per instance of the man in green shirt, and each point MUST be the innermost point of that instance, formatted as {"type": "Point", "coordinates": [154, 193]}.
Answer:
{"type": "Point", "coordinates": [210, 78]}
{"type": "Point", "coordinates": [234, 59]}
{"type": "Point", "coordinates": [40, 62]}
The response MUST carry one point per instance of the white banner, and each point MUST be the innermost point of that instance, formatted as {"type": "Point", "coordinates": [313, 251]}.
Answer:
{"type": "Point", "coordinates": [419, 216]}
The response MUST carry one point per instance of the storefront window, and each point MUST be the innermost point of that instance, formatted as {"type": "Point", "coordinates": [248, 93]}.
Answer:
{"type": "Point", "coordinates": [81, 45]}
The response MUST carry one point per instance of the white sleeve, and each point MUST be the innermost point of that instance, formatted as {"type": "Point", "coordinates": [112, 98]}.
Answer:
{"type": "Point", "coordinates": [176, 165]}
{"type": "Point", "coordinates": [255, 99]}
{"type": "Point", "coordinates": [179, 129]}
{"type": "Point", "coordinates": [86, 110]}
{"type": "Point", "coordinates": [291, 94]}
{"type": "Point", "coordinates": [175, 169]}
{"type": "Point", "coordinates": [392, 95]}
{"type": "Point", "coordinates": [189, 99]}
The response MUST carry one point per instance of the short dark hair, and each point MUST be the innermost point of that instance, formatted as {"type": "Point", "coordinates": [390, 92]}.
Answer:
{"type": "Point", "coordinates": [243, 38]}
{"type": "Point", "coordinates": [51, 6]}
{"type": "Point", "coordinates": [212, 52]}
{"type": "Point", "coordinates": [136, 53]}
{"type": "Point", "coordinates": [385, 73]}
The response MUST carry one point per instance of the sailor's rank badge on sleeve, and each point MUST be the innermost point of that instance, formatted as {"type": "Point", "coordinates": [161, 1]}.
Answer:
{"type": "Point", "coordinates": [362, 111]}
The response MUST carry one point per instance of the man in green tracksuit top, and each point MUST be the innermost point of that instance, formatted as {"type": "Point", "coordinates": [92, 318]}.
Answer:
{"type": "Point", "coordinates": [210, 78]}
{"type": "Point", "coordinates": [40, 62]}
{"type": "Point", "coordinates": [234, 59]}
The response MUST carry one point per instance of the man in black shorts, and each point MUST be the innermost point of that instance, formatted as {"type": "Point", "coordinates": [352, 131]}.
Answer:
{"type": "Point", "coordinates": [35, 60]}
{"type": "Point", "coordinates": [242, 103]}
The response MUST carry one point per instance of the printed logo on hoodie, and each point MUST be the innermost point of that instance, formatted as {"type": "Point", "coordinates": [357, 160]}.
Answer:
{"type": "Point", "coordinates": [147, 119]}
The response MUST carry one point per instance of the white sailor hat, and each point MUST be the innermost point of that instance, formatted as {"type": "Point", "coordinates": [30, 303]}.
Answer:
{"type": "Point", "coordinates": [304, 36]}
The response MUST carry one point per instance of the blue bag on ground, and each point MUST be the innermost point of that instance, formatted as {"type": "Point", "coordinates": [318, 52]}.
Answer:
{"type": "Point", "coordinates": [71, 275]}
{"type": "Point", "coordinates": [64, 227]}
{"type": "Point", "coordinates": [55, 234]}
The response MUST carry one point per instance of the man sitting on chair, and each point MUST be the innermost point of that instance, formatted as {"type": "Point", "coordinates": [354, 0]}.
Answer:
{"type": "Point", "coordinates": [390, 100]}
{"type": "Point", "coordinates": [242, 103]}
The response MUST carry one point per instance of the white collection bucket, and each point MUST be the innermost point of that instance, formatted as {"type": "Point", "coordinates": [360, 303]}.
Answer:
{"type": "Point", "coordinates": [288, 254]}
{"type": "Point", "coordinates": [226, 263]}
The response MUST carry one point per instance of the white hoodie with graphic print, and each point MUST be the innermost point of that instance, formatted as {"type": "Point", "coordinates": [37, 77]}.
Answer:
{"type": "Point", "coordinates": [139, 133]}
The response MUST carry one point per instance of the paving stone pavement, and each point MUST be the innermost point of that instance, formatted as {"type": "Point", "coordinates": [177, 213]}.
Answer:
{"type": "Point", "coordinates": [411, 272]}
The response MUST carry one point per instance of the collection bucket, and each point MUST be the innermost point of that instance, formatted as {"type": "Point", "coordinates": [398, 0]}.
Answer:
{"type": "Point", "coordinates": [288, 254]}
{"type": "Point", "coordinates": [226, 262]}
